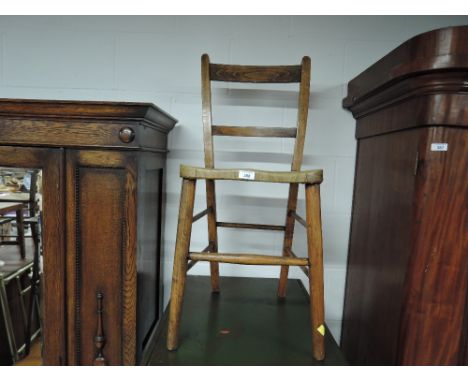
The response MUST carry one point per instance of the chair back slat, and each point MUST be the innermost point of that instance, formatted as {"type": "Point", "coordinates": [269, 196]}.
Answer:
{"type": "Point", "coordinates": [251, 131]}
{"type": "Point", "coordinates": [255, 74]}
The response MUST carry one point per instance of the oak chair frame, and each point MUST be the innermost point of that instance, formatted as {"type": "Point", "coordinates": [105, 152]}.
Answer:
{"type": "Point", "coordinates": [312, 266]}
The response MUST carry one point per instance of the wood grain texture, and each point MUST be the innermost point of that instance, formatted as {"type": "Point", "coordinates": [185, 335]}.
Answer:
{"type": "Point", "coordinates": [288, 237]}
{"type": "Point", "coordinates": [417, 112]}
{"type": "Point", "coordinates": [302, 115]}
{"type": "Point", "coordinates": [446, 84]}
{"type": "Point", "coordinates": [255, 74]}
{"type": "Point", "coordinates": [85, 134]}
{"type": "Point", "coordinates": [251, 131]}
{"type": "Point", "coordinates": [382, 211]}
{"type": "Point", "coordinates": [102, 185]}
{"type": "Point", "coordinates": [315, 254]}
{"type": "Point", "coordinates": [84, 124]}
{"type": "Point", "coordinates": [179, 274]}
{"type": "Point", "coordinates": [209, 163]}
{"type": "Point", "coordinates": [206, 112]}
{"type": "Point", "coordinates": [309, 177]}
{"type": "Point", "coordinates": [104, 110]}
{"type": "Point", "coordinates": [406, 299]}
{"type": "Point", "coordinates": [79, 133]}
{"type": "Point", "coordinates": [129, 263]}
{"type": "Point", "coordinates": [437, 286]}
{"type": "Point", "coordinates": [212, 231]}
{"type": "Point", "coordinates": [438, 50]}
{"type": "Point", "coordinates": [247, 259]}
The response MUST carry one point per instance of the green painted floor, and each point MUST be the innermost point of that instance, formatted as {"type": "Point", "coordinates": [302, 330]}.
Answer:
{"type": "Point", "coordinates": [243, 325]}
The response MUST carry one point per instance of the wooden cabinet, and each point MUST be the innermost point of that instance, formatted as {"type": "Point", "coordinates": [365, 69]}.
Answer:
{"type": "Point", "coordinates": [103, 166]}
{"type": "Point", "coordinates": [406, 300]}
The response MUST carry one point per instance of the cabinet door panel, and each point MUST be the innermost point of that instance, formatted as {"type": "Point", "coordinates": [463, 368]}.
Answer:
{"type": "Point", "coordinates": [434, 325]}
{"type": "Point", "coordinates": [101, 233]}
{"type": "Point", "coordinates": [380, 247]}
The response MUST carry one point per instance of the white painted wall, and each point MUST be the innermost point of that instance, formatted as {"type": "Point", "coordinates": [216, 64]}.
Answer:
{"type": "Point", "coordinates": [157, 59]}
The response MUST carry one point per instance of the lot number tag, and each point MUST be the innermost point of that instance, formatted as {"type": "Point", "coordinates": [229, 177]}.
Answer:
{"type": "Point", "coordinates": [247, 175]}
{"type": "Point", "coordinates": [439, 147]}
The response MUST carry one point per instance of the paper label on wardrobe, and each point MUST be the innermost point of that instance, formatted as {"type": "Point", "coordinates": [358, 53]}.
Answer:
{"type": "Point", "coordinates": [247, 175]}
{"type": "Point", "coordinates": [439, 146]}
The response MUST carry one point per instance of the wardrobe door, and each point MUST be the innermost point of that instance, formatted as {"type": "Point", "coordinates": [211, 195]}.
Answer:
{"type": "Point", "coordinates": [50, 163]}
{"type": "Point", "coordinates": [380, 247]}
{"type": "Point", "coordinates": [101, 261]}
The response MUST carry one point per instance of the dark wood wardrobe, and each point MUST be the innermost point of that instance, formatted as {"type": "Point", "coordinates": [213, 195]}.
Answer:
{"type": "Point", "coordinates": [406, 300]}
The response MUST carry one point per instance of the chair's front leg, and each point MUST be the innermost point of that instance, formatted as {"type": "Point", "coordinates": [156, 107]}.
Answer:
{"type": "Point", "coordinates": [212, 232]}
{"type": "Point", "coordinates": [288, 237]}
{"type": "Point", "coordinates": [315, 253]}
{"type": "Point", "coordinates": [179, 274]}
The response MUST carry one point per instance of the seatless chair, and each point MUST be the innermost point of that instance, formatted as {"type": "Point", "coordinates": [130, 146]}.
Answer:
{"type": "Point", "coordinates": [313, 264]}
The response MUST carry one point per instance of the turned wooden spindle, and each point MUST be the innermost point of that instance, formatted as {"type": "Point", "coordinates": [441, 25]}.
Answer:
{"type": "Point", "coordinates": [100, 339]}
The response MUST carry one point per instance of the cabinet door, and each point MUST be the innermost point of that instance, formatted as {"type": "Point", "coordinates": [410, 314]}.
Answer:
{"type": "Point", "coordinates": [50, 161]}
{"type": "Point", "coordinates": [101, 265]}
{"type": "Point", "coordinates": [380, 247]}
{"type": "Point", "coordinates": [435, 321]}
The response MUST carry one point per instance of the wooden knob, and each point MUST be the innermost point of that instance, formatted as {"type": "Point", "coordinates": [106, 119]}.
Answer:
{"type": "Point", "coordinates": [126, 135]}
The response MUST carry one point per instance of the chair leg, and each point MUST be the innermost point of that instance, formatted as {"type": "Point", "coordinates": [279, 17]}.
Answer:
{"type": "Point", "coordinates": [315, 254]}
{"type": "Point", "coordinates": [179, 274]}
{"type": "Point", "coordinates": [33, 292]}
{"type": "Point", "coordinates": [288, 238]}
{"type": "Point", "coordinates": [212, 233]}
{"type": "Point", "coordinates": [20, 229]}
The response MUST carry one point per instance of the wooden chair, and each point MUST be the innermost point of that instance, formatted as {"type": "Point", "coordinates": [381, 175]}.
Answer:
{"type": "Point", "coordinates": [33, 220]}
{"type": "Point", "coordinates": [313, 264]}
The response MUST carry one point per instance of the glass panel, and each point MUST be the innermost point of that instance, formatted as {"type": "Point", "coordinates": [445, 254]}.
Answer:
{"type": "Point", "coordinates": [20, 266]}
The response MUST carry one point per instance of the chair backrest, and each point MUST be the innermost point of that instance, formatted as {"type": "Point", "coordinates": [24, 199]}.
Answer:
{"type": "Point", "coordinates": [32, 191]}
{"type": "Point", "coordinates": [255, 74]}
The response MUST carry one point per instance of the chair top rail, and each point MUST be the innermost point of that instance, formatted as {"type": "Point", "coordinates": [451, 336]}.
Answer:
{"type": "Point", "coordinates": [255, 74]}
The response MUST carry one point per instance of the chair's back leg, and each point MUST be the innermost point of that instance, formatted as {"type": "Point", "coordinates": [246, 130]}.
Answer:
{"type": "Point", "coordinates": [179, 274]}
{"type": "Point", "coordinates": [315, 253]}
{"type": "Point", "coordinates": [212, 232]}
{"type": "Point", "coordinates": [33, 292]}
{"type": "Point", "coordinates": [288, 237]}
{"type": "Point", "coordinates": [20, 229]}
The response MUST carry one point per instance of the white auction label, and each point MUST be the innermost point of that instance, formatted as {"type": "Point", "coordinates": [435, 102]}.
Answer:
{"type": "Point", "coordinates": [439, 146]}
{"type": "Point", "coordinates": [247, 175]}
